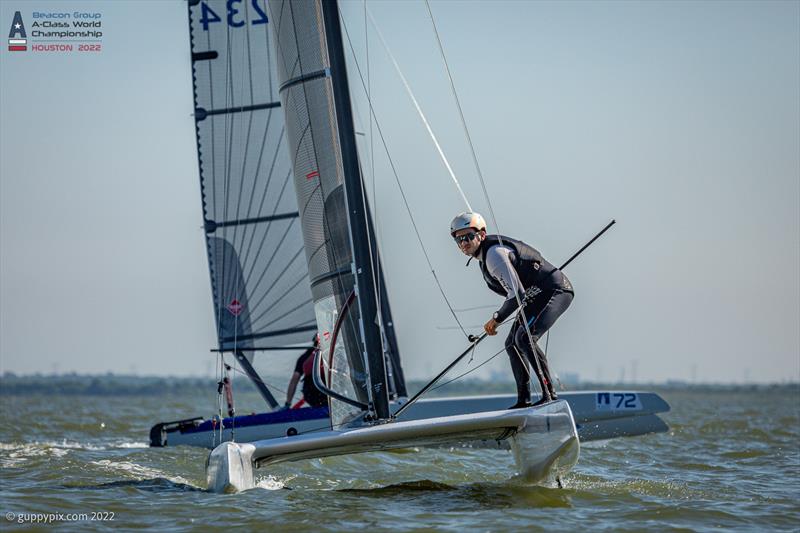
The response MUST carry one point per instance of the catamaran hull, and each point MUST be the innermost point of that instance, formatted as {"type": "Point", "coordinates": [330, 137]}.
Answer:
{"type": "Point", "coordinates": [543, 439]}
{"type": "Point", "coordinates": [598, 415]}
{"type": "Point", "coordinates": [229, 468]}
{"type": "Point", "coordinates": [248, 428]}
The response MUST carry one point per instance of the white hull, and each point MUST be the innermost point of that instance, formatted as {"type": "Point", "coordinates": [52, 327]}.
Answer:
{"type": "Point", "coordinates": [543, 439]}
{"type": "Point", "coordinates": [598, 415]}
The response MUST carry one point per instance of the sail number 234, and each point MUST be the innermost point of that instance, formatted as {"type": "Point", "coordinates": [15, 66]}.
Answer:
{"type": "Point", "coordinates": [235, 16]}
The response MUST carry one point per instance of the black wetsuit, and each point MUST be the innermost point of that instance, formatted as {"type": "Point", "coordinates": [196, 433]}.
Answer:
{"type": "Point", "coordinates": [518, 269]}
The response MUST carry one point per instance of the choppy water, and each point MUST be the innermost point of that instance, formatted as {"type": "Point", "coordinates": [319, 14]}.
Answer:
{"type": "Point", "coordinates": [731, 461]}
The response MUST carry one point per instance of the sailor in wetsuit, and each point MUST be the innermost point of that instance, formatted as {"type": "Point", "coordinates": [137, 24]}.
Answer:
{"type": "Point", "coordinates": [513, 269]}
{"type": "Point", "coordinates": [303, 368]}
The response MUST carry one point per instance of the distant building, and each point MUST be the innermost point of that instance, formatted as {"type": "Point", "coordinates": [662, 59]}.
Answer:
{"type": "Point", "coordinates": [570, 378]}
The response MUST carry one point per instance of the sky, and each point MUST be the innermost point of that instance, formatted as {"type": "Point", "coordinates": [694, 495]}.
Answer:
{"type": "Point", "coordinates": [680, 120]}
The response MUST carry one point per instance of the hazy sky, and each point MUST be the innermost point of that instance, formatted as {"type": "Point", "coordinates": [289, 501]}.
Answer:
{"type": "Point", "coordinates": [681, 120]}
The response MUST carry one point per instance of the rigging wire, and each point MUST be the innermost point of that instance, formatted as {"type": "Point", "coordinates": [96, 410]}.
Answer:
{"type": "Point", "coordinates": [374, 262]}
{"type": "Point", "coordinates": [220, 417]}
{"type": "Point", "coordinates": [230, 128]}
{"type": "Point", "coordinates": [213, 193]}
{"type": "Point", "coordinates": [237, 277]}
{"type": "Point", "coordinates": [522, 313]}
{"type": "Point", "coordinates": [259, 380]}
{"type": "Point", "coordinates": [376, 278]}
{"type": "Point", "coordinates": [546, 345]}
{"type": "Point", "coordinates": [485, 362]}
{"type": "Point", "coordinates": [246, 143]}
{"type": "Point", "coordinates": [468, 371]}
{"type": "Point", "coordinates": [419, 111]}
{"type": "Point", "coordinates": [472, 326]}
{"type": "Point", "coordinates": [379, 281]}
{"type": "Point", "coordinates": [519, 356]}
{"type": "Point", "coordinates": [231, 407]}
{"type": "Point", "coordinates": [399, 185]}
{"type": "Point", "coordinates": [465, 309]}
{"type": "Point", "coordinates": [455, 95]}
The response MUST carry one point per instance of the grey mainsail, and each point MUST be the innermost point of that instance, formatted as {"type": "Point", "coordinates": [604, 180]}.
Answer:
{"type": "Point", "coordinates": [258, 277]}
{"type": "Point", "coordinates": [342, 259]}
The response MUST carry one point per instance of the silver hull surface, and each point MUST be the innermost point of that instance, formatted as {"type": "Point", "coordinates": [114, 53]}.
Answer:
{"type": "Point", "coordinates": [543, 439]}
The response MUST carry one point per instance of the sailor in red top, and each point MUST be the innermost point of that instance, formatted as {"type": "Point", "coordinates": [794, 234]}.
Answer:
{"type": "Point", "coordinates": [302, 369]}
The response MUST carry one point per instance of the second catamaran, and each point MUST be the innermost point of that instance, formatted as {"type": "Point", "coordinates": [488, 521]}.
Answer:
{"type": "Point", "coordinates": [262, 293]}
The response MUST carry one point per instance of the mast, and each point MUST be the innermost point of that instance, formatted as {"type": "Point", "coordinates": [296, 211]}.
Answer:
{"type": "Point", "coordinates": [354, 193]}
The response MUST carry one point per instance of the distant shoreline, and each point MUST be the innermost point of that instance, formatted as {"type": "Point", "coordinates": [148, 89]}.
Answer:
{"type": "Point", "coordinates": [121, 385]}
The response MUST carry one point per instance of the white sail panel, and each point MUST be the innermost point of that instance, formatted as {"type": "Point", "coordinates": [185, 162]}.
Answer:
{"type": "Point", "coordinates": [259, 278]}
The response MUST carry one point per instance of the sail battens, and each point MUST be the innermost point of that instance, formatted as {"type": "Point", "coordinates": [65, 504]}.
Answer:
{"type": "Point", "coordinates": [257, 258]}
{"type": "Point", "coordinates": [266, 334]}
{"type": "Point", "coordinates": [205, 56]}
{"type": "Point", "coordinates": [270, 261]}
{"type": "Point", "coordinates": [211, 225]}
{"type": "Point", "coordinates": [290, 311]}
{"type": "Point", "coordinates": [201, 113]}
{"type": "Point", "coordinates": [263, 349]}
{"type": "Point", "coordinates": [327, 276]}
{"type": "Point", "coordinates": [243, 108]}
{"type": "Point", "coordinates": [280, 298]}
{"type": "Point", "coordinates": [324, 73]}
{"type": "Point", "coordinates": [249, 215]}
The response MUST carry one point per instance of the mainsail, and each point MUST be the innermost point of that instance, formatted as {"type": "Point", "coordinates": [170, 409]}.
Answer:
{"type": "Point", "coordinates": [259, 280]}
{"type": "Point", "coordinates": [342, 259]}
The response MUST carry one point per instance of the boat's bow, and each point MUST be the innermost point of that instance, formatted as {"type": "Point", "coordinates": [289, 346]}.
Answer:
{"type": "Point", "coordinates": [548, 445]}
{"type": "Point", "coordinates": [229, 468]}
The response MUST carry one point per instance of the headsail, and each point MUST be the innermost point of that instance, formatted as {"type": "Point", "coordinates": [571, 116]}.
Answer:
{"type": "Point", "coordinates": [333, 211]}
{"type": "Point", "coordinates": [258, 277]}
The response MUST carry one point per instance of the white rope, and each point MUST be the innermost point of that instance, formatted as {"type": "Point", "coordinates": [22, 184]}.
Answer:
{"type": "Point", "coordinates": [220, 417]}
{"type": "Point", "coordinates": [483, 187]}
{"type": "Point", "coordinates": [455, 95]}
{"type": "Point", "coordinates": [374, 117]}
{"type": "Point", "coordinates": [419, 111]}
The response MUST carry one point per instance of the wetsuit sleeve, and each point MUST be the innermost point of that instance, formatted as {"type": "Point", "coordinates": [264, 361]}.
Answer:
{"type": "Point", "coordinates": [499, 266]}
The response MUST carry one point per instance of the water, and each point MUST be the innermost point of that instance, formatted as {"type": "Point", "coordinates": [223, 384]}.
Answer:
{"type": "Point", "coordinates": [730, 461]}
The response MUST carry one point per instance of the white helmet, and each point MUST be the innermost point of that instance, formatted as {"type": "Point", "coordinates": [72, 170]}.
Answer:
{"type": "Point", "coordinates": [467, 220]}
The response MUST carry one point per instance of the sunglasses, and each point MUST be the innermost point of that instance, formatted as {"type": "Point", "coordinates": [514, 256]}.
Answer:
{"type": "Point", "coordinates": [469, 237]}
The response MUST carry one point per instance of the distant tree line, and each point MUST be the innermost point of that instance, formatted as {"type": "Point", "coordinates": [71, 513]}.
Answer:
{"type": "Point", "coordinates": [114, 385]}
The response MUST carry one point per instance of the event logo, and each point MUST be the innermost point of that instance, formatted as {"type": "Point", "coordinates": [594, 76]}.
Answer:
{"type": "Point", "coordinates": [17, 38]}
{"type": "Point", "coordinates": [56, 32]}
